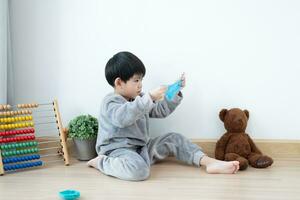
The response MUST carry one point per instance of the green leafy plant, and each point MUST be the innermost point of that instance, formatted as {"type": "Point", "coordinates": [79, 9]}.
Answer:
{"type": "Point", "coordinates": [83, 127]}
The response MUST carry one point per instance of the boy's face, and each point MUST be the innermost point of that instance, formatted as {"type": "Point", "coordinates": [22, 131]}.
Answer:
{"type": "Point", "coordinates": [132, 88]}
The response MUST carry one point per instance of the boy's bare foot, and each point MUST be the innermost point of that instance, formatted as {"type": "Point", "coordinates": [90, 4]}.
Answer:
{"type": "Point", "coordinates": [222, 167]}
{"type": "Point", "coordinates": [214, 166]}
{"type": "Point", "coordinates": [94, 162]}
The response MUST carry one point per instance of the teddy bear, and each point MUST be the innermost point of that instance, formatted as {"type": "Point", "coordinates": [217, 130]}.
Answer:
{"type": "Point", "coordinates": [235, 144]}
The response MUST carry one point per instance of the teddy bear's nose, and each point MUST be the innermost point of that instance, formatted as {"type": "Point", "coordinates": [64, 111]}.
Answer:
{"type": "Point", "coordinates": [238, 121]}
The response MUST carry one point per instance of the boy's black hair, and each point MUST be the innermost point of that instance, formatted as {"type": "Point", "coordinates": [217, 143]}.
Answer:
{"type": "Point", "coordinates": [123, 65]}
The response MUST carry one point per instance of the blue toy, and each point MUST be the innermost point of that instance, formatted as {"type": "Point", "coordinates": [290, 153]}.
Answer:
{"type": "Point", "coordinates": [69, 194]}
{"type": "Point", "coordinates": [173, 90]}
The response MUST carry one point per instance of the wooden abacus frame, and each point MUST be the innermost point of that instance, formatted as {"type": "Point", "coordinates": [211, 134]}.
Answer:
{"type": "Point", "coordinates": [61, 131]}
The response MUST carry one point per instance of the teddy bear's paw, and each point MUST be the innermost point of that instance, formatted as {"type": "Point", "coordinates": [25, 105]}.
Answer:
{"type": "Point", "coordinates": [263, 162]}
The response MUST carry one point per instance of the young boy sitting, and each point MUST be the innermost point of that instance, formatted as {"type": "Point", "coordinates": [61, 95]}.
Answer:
{"type": "Point", "coordinates": [125, 149]}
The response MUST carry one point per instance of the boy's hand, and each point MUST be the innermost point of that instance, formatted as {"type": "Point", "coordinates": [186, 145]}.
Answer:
{"type": "Point", "coordinates": [158, 94]}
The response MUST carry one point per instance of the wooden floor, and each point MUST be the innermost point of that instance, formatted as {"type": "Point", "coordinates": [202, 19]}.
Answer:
{"type": "Point", "coordinates": [169, 180]}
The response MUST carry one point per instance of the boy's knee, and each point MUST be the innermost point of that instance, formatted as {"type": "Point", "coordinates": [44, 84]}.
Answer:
{"type": "Point", "coordinates": [176, 136]}
{"type": "Point", "coordinates": [134, 170]}
{"type": "Point", "coordinates": [138, 174]}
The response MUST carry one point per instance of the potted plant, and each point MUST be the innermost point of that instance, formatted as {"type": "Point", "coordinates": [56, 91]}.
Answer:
{"type": "Point", "coordinates": [83, 130]}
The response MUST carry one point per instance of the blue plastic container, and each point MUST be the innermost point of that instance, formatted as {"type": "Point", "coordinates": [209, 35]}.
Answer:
{"type": "Point", "coordinates": [69, 194]}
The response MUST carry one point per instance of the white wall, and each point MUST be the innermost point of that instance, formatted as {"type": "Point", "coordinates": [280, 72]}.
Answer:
{"type": "Point", "coordinates": [235, 54]}
{"type": "Point", "coordinates": [3, 51]}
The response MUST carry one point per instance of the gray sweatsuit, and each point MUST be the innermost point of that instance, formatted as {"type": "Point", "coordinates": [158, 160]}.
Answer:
{"type": "Point", "coordinates": [124, 137]}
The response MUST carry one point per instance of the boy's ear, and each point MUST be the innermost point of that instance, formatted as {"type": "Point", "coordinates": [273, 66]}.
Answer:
{"type": "Point", "coordinates": [118, 81]}
{"type": "Point", "coordinates": [222, 114]}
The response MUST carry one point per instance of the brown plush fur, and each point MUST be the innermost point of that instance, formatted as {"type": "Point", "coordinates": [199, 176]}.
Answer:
{"type": "Point", "coordinates": [235, 144]}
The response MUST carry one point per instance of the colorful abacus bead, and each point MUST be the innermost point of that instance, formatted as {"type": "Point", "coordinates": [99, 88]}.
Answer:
{"type": "Point", "coordinates": [5, 107]}
{"type": "Point", "coordinates": [21, 158]}
{"type": "Point", "coordinates": [19, 145]}
{"type": "Point", "coordinates": [22, 165]}
{"type": "Point", "coordinates": [17, 132]}
{"type": "Point", "coordinates": [32, 105]}
{"type": "Point", "coordinates": [15, 139]}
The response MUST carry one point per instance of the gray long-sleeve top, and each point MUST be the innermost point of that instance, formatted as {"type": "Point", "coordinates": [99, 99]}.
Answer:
{"type": "Point", "coordinates": [124, 123]}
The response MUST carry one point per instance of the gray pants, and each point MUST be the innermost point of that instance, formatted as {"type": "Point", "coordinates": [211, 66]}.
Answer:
{"type": "Point", "coordinates": [133, 164]}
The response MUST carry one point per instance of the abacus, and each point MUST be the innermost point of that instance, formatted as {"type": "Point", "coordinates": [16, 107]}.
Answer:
{"type": "Point", "coordinates": [23, 143]}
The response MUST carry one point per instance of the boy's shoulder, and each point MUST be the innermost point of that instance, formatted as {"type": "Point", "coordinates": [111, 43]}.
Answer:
{"type": "Point", "coordinates": [113, 97]}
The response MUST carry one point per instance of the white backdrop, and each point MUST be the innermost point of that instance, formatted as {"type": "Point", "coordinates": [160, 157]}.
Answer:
{"type": "Point", "coordinates": [234, 53]}
{"type": "Point", "coordinates": [3, 51]}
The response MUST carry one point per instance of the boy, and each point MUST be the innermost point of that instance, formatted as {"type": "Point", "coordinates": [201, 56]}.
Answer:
{"type": "Point", "coordinates": [124, 147]}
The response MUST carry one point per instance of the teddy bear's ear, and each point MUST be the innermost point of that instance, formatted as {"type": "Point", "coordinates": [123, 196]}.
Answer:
{"type": "Point", "coordinates": [247, 113]}
{"type": "Point", "coordinates": [222, 114]}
